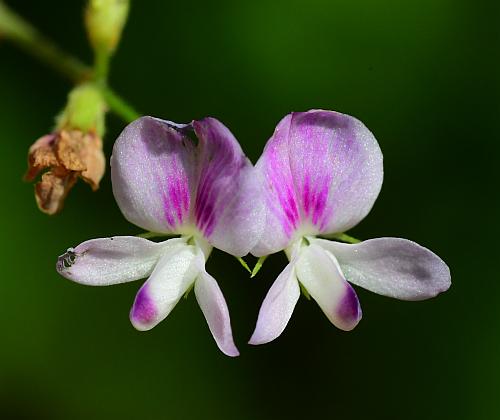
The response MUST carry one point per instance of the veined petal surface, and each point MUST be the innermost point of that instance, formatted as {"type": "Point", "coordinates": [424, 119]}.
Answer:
{"type": "Point", "coordinates": [118, 259]}
{"type": "Point", "coordinates": [282, 208]}
{"type": "Point", "coordinates": [164, 182]}
{"type": "Point", "coordinates": [173, 275]}
{"type": "Point", "coordinates": [323, 173]}
{"type": "Point", "coordinates": [324, 281]}
{"type": "Point", "coordinates": [153, 169]}
{"type": "Point", "coordinates": [392, 267]}
{"type": "Point", "coordinates": [277, 307]}
{"type": "Point", "coordinates": [214, 308]}
{"type": "Point", "coordinates": [229, 209]}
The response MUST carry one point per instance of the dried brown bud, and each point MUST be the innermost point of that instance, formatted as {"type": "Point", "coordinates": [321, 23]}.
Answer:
{"type": "Point", "coordinates": [66, 155]}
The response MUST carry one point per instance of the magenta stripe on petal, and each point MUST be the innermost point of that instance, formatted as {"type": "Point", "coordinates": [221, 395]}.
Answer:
{"type": "Point", "coordinates": [323, 171]}
{"type": "Point", "coordinates": [164, 182]}
{"type": "Point", "coordinates": [153, 171]}
{"type": "Point", "coordinates": [221, 162]}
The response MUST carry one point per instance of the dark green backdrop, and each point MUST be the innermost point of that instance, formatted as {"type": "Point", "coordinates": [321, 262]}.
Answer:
{"type": "Point", "coordinates": [422, 75]}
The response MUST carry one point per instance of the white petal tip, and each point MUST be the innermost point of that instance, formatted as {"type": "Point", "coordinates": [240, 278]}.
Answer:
{"type": "Point", "coordinates": [440, 286]}
{"type": "Point", "coordinates": [140, 327]}
{"type": "Point", "coordinates": [257, 340]}
{"type": "Point", "coordinates": [231, 352]}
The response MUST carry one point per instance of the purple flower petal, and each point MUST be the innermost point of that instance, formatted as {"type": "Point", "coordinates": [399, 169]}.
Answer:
{"type": "Point", "coordinates": [119, 259]}
{"type": "Point", "coordinates": [277, 307]}
{"type": "Point", "coordinates": [392, 267]}
{"type": "Point", "coordinates": [173, 275]}
{"type": "Point", "coordinates": [282, 209]}
{"type": "Point", "coordinates": [323, 172]}
{"type": "Point", "coordinates": [229, 209]}
{"type": "Point", "coordinates": [153, 170]}
{"type": "Point", "coordinates": [214, 307]}
{"type": "Point", "coordinates": [163, 182]}
{"type": "Point", "coordinates": [324, 281]}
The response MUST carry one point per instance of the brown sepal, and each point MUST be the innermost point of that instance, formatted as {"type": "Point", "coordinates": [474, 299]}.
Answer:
{"type": "Point", "coordinates": [66, 155]}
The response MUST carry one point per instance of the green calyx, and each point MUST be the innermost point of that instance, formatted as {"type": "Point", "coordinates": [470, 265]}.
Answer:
{"type": "Point", "coordinates": [258, 265]}
{"type": "Point", "coordinates": [85, 110]}
{"type": "Point", "coordinates": [244, 264]}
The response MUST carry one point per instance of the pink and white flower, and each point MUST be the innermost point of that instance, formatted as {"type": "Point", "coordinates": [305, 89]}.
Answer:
{"type": "Point", "coordinates": [164, 182]}
{"type": "Point", "coordinates": [322, 172]}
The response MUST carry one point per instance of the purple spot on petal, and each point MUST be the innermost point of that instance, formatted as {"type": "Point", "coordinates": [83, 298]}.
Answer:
{"type": "Point", "coordinates": [143, 311]}
{"type": "Point", "coordinates": [349, 309]}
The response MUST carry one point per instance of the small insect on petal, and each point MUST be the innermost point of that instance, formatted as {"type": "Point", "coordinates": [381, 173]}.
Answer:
{"type": "Point", "coordinates": [66, 260]}
{"type": "Point", "coordinates": [119, 259]}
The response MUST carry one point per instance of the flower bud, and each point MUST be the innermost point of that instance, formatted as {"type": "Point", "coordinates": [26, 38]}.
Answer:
{"type": "Point", "coordinates": [104, 20]}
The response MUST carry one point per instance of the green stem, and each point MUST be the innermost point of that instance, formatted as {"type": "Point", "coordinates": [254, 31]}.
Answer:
{"type": "Point", "coordinates": [119, 106]}
{"type": "Point", "coordinates": [101, 66]}
{"type": "Point", "coordinates": [25, 36]}
{"type": "Point", "coordinates": [14, 28]}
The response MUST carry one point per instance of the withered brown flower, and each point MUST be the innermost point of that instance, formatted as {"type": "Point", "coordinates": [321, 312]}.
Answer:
{"type": "Point", "coordinates": [65, 155]}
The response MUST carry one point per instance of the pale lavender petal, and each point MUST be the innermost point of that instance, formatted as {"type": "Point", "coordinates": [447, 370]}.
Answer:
{"type": "Point", "coordinates": [321, 276]}
{"type": "Point", "coordinates": [240, 221]}
{"type": "Point", "coordinates": [392, 267]}
{"type": "Point", "coordinates": [214, 307]}
{"type": "Point", "coordinates": [163, 182]}
{"type": "Point", "coordinates": [173, 275]}
{"type": "Point", "coordinates": [153, 172]}
{"type": "Point", "coordinates": [118, 259]}
{"type": "Point", "coordinates": [337, 168]}
{"type": "Point", "coordinates": [323, 171]}
{"type": "Point", "coordinates": [228, 210]}
{"type": "Point", "coordinates": [277, 307]}
{"type": "Point", "coordinates": [282, 211]}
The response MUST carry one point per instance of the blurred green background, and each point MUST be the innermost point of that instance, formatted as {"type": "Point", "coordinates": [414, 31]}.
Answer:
{"type": "Point", "coordinates": [422, 75]}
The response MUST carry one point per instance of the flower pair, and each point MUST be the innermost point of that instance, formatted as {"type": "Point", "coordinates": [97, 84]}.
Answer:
{"type": "Point", "coordinates": [319, 175]}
